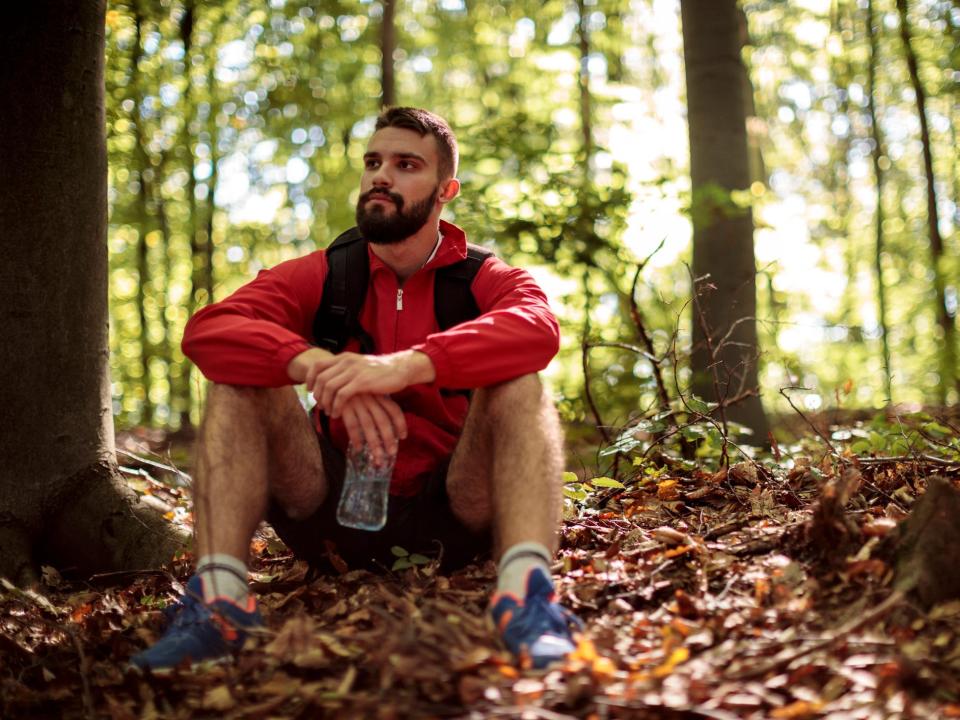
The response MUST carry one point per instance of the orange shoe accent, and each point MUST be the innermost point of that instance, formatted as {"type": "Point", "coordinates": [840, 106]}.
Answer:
{"type": "Point", "coordinates": [495, 598]}
{"type": "Point", "coordinates": [228, 631]}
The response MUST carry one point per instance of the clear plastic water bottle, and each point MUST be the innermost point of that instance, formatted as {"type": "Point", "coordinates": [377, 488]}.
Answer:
{"type": "Point", "coordinates": [366, 490]}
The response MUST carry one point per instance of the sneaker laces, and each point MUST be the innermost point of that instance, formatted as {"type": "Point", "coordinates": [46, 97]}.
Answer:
{"type": "Point", "coordinates": [188, 610]}
{"type": "Point", "coordinates": [544, 616]}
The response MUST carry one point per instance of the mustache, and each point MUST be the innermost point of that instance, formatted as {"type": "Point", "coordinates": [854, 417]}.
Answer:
{"type": "Point", "coordinates": [395, 198]}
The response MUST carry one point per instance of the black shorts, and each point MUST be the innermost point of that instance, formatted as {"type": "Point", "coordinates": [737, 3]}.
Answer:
{"type": "Point", "coordinates": [422, 524]}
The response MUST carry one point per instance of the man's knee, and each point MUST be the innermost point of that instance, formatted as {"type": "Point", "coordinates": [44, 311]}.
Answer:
{"type": "Point", "coordinates": [263, 405]}
{"type": "Point", "coordinates": [238, 395]}
{"type": "Point", "coordinates": [520, 396]}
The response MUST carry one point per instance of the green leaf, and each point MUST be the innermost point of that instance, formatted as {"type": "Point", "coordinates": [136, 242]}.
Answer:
{"type": "Point", "coordinates": [575, 491]}
{"type": "Point", "coordinates": [693, 432]}
{"type": "Point", "coordinates": [699, 406]}
{"type": "Point", "coordinates": [399, 551]}
{"type": "Point", "coordinates": [418, 559]}
{"type": "Point", "coordinates": [607, 483]}
{"type": "Point", "coordinates": [860, 446]}
{"type": "Point", "coordinates": [401, 564]}
{"type": "Point", "coordinates": [936, 429]}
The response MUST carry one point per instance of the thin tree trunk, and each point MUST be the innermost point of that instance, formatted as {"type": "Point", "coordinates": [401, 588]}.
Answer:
{"type": "Point", "coordinates": [724, 364]}
{"type": "Point", "coordinates": [198, 245]}
{"type": "Point", "coordinates": [838, 181]}
{"type": "Point", "coordinates": [948, 356]}
{"type": "Point", "coordinates": [583, 82]}
{"type": "Point", "coordinates": [953, 37]}
{"type": "Point", "coordinates": [163, 227]}
{"type": "Point", "coordinates": [388, 45]}
{"type": "Point", "coordinates": [197, 298]}
{"type": "Point", "coordinates": [143, 198]}
{"type": "Point", "coordinates": [878, 172]}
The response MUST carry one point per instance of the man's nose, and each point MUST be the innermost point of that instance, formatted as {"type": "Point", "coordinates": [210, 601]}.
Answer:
{"type": "Point", "coordinates": [382, 177]}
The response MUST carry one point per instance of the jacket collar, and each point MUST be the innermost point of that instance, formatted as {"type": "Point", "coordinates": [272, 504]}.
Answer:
{"type": "Point", "coordinates": [453, 248]}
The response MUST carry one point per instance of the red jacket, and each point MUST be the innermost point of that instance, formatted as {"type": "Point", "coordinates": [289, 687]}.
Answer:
{"type": "Point", "coordinates": [250, 337]}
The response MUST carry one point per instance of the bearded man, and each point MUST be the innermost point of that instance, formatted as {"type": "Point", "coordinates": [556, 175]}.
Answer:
{"type": "Point", "coordinates": [474, 437]}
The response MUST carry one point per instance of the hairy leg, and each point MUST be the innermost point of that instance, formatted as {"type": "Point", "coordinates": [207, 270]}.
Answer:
{"type": "Point", "coordinates": [254, 443]}
{"type": "Point", "coordinates": [506, 470]}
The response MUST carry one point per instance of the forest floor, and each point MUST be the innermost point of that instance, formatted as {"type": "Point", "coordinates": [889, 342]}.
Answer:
{"type": "Point", "coordinates": [731, 593]}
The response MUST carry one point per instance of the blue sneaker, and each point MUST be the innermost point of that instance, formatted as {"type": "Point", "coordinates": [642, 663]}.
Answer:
{"type": "Point", "coordinates": [199, 631]}
{"type": "Point", "coordinates": [538, 624]}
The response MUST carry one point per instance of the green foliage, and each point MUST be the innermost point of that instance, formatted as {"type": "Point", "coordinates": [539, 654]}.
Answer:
{"type": "Point", "coordinates": [405, 560]}
{"type": "Point", "coordinates": [918, 434]}
{"type": "Point", "coordinates": [235, 132]}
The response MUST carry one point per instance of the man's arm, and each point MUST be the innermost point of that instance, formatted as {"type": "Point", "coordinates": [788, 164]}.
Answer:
{"type": "Point", "coordinates": [250, 337]}
{"type": "Point", "coordinates": [334, 379]}
{"type": "Point", "coordinates": [516, 333]}
{"type": "Point", "coordinates": [357, 387]}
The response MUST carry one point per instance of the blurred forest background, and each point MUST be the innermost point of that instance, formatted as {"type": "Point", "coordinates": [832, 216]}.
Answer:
{"type": "Point", "coordinates": [236, 129]}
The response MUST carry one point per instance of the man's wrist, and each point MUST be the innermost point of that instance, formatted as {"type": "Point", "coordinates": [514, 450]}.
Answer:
{"type": "Point", "coordinates": [297, 367]}
{"type": "Point", "coordinates": [419, 368]}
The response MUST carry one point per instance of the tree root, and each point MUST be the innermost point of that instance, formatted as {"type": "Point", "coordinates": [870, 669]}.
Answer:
{"type": "Point", "coordinates": [103, 527]}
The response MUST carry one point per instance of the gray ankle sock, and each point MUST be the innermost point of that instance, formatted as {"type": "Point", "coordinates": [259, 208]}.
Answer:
{"type": "Point", "coordinates": [516, 563]}
{"type": "Point", "coordinates": [223, 576]}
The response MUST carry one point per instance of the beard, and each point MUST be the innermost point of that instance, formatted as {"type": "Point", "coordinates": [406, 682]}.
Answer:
{"type": "Point", "coordinates": [379, 228]}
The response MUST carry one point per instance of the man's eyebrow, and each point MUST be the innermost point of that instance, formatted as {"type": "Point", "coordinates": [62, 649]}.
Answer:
{"type": "Point", "coordinates": [411, 156]}
{"type": "Point", "coordinates": [401, 155]}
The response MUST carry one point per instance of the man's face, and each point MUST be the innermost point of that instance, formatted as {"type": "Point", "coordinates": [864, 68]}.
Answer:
{"type": "Point", "coordinates": [400, 185]}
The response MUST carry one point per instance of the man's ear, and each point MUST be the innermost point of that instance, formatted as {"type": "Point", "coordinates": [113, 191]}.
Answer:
{"type": "Point", "coordinates": [449, 190]}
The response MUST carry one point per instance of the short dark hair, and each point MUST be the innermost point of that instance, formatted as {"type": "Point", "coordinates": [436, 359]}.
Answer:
{"type": "Point", "coordinates": [425, 122]}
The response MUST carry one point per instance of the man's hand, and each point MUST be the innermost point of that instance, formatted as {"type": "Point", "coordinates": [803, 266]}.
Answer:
{"type": "Point", "coordinates": [377, 421]}
{"type": "Point", "coordinates": [335, 379]}
{"type": "Point", "coordinates": [357, 387]}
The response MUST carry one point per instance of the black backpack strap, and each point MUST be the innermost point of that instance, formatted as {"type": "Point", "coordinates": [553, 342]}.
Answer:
{"type": "Point", "coordinates": [453, 301]}
{"type": "Point", "coordinates": [344, 290]}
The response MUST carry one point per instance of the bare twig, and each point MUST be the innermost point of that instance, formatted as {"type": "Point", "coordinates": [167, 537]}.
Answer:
{"type": "Point", "coordinates": [622, 346]}
{"type": "Point", "coordinates": [88, 707]}
{"type": "Point", "coordinates": [784, 659]}
{"type": "Point", "coordinates": [701, 319]}
{"type": "Point", "coordinates": [807, 420]}
{"type": "Point", "coordinates": [651, 354]}
{"type": "Point", "coordinates": [531, 711]}
{"type": "Point", "coordinates": [585, 361]}
{"type": "Point", "coordinates": [152, 463]}
{"type": "Point", "coordinates": [921, 457]}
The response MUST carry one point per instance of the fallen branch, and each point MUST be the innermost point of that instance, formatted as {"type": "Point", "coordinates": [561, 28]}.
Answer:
{"type": "Point", "coordinates": [784, 659]}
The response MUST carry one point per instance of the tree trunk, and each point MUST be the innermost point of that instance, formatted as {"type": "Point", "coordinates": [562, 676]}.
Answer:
{"type": "Point", "coordinates": [948, 355]}
{"type": "Point", "coordinates": [199, 295]}
{"type": "Point", "coordinates": [953, 37]}
{"type": "Point", "coordinates": [878, 172]}
{"type": "Point", "coordinates": [61, 501]}
{"type": "Point", "coordinates": [583, 82]}
{"type": "Point", "coordinates": [143, 198]}
{"type": "Point", "coordinates": [725, 350]}
{"type": "Point", "coordinates": [388, 44]}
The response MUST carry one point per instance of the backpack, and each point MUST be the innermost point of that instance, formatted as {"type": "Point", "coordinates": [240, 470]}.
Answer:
{"type": "Point", "coordinates": [345, 288]}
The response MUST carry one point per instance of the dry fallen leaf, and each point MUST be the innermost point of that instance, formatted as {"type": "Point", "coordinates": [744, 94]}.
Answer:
{"type": "Point", "coordinates": [219, 699]}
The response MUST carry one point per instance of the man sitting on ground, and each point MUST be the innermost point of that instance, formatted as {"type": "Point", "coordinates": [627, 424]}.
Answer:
{"type": "Point", "coordinates": [474, 472]}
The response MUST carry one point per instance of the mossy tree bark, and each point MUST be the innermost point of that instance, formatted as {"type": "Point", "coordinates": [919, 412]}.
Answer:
{"type": "Point", "coordinates": [61, 500]}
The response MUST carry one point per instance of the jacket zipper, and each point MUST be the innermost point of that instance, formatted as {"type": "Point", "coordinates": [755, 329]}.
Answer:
{"type": "Point", "coordinates": [396, 321]}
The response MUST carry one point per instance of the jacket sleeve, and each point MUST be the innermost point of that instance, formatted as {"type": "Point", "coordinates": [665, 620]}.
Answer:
{"type": "Point", "coordinates": [516, 333]}
{"type": "Point", "coordinates": [251, 336]}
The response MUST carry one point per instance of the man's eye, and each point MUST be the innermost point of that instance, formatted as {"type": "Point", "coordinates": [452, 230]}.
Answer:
{"type": "Point", "coordinates": [406, 165]}
{"type": "Point", "coordinates": [371, 164]}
